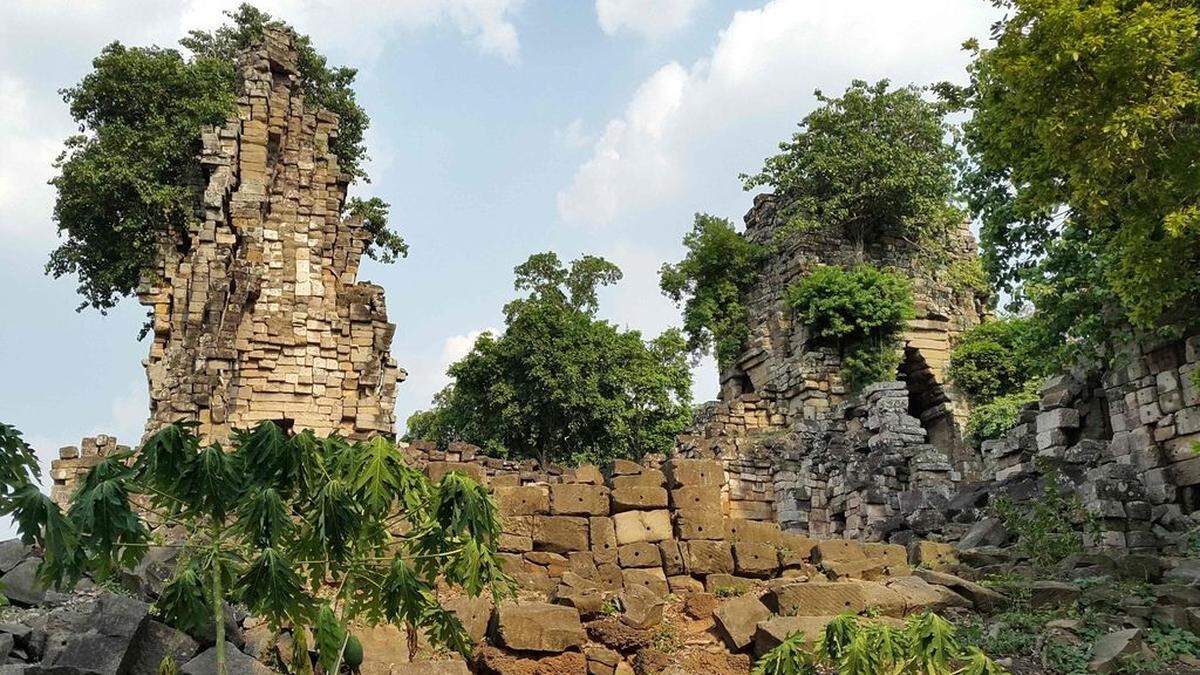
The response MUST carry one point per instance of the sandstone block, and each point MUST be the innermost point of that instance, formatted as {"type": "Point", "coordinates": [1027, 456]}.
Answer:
{"type": "Point", "coordinates": [920, 595]}
{"type": "Point", "coordinates": [761, 532]}
{"type": "Point", "coordinates": [652, 578]}
{"type": "Point", "coordinates": [603, 539]}
{"type": "Point", "coordinates": [738, 618]}
{"type": "Point", "coordinates": [638, 497]}
{"type": "Point", "coordinates": [709, 557]}
{"type": "Point", "coordinates": [672, 557]}
{"type": "Point", "coordinates": [753, 559]}
{"type": "Point", "coordinates": [724, 583]}
{"type": "Point", "coordinates": [624, 467]}
{"type": "Point", "coordinates": [932, 555]}
{"type": "Point", "coordinates": [684, 585]}
{"type": "Point", "coordinates": [639, 554]}
{"type": "Point", "coordinates": [694, 472]}
{"type": "Point", "coordinates": [635, 526]}
{"type": "Point", "coordinates": [795, 549]}
{"type": "Point", "coordinates": [539, 627]}
{"type": "Point", "coordinates": [640, 607]}
{"type": "Point", "coordinates": [699, 498]}
{"type": "Point", "coordinates": [578, 499]}
{"type": "Point", "coordinates": [435, 471]}
{"type": "Point", "coordinates": [560, 534]}
{"type": "Point", "coordinates": [770, 633]}
{"type": "Point", "coordinates": [817, 598]}
{"type": "Point", "coordinates": [699, 524]}
{"type": "Point", "coordinates": [647, 478]}
{"type": "Point", "coordinates": [837, 550]}
{"type": "Point", "coordinates": [529, 500]}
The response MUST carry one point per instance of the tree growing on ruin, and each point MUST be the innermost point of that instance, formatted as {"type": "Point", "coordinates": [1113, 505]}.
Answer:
{"type": "Point", "coordinates": [132, 176]}
{"type": "Point", "coordinates": [560, 384]}
{"type": "Point", "coordinates": [1082, 169]}
{"type": "Point", "coordinates": [710, 282]}
{"type": "Point", "coordinates": [302, 531]}
{"type": "Point", "coordinates": [873, 162]}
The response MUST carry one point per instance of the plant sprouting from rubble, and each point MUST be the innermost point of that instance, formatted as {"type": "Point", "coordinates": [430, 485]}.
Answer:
{"type": "Point", "coordinates": [926, 644]}
{"type": "Point", "coordinates": [303, 531]}
{"type": "Point", "coordinates": [1051, 526]}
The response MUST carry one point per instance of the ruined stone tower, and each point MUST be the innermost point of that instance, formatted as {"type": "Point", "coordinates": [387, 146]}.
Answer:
{"type": "Point", "coordinates": [257, 313]}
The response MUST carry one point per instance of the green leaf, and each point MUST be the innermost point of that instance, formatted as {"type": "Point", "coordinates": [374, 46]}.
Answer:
{"type": "Point", "coordinates": [184, 603]}
{"type": "Point", "coordinates": [271, 588]}
{"type": "Point", "coordinates": [330, 637]}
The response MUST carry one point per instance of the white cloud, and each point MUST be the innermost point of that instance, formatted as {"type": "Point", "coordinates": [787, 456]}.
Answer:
{"type": "Point", "coordinates": [573, 135]}
{"type": "Point", "coordinates": [457, 346]}
{"type": "Point", "coordinates": [725, 112]}
{"type": "Point", "coordinates": [648, 18]}
{"type": "Point", "coordinates": [129, 412]}
{"type": "Point", "coordinates": [28, 154]}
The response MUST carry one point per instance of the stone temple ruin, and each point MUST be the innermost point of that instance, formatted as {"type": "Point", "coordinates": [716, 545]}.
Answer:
{"type": "Point", "coordinates": [257, 315]}
{"type": "Point", "coordinates": [257, 312]}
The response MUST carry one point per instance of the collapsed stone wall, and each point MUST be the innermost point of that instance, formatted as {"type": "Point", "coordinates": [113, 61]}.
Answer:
{"type": "Point", "coordinates": [800, 381]}
{"type": "Point", "coordinates": [256, 310]}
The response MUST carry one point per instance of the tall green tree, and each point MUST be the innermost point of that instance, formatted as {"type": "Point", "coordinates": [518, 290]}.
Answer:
{"type": "Point", "coordinates": [710, 282]}
{"type": "Point", "coordinates": [1082, 169]}
{"type": "Point", "coordinates": [559, 384]}
{"type": "Point", "coordinates": [303, 531]}
{"type": "Point", "coordinates": [132, 175]}
{"type": "Point", "coordinates": [874, 161]}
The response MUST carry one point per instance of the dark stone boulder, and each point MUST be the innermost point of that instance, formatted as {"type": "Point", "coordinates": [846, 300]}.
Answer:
{"type": "Point", "coordinates": [21, 586]}
{"type": "Point", "coordinates": [237, 663]}
{"type": "Point", "coordinates": [116, 626]}
{"type": "Point", "coordinates": [12, 552]}
{"type": "Point", "coordinates": [160, 641]}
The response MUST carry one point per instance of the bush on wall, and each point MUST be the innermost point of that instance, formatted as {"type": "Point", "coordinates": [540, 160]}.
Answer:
{"type": "Point", "coordinates": [861, 312]}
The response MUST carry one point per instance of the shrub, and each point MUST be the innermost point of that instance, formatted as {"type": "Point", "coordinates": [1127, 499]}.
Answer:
{"type": "Point", "coordinates": [1052, 525]}
{"type": "Point", "coordinates": [994, 418]}
{"type": "Point", "coordinates": [852, 645]}
{"type": "Point", "coordinates": [996, 358]}
{"type": "Point", "coordinates": [861, 312]}
{"type": "Point", "coordinates": [298, 529]}
{"type": "Point", "coordinates": [710, 281]}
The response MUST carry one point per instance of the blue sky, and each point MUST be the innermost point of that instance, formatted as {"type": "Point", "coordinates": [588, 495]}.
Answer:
{"type": "Point", "coordinates": [499, 128]}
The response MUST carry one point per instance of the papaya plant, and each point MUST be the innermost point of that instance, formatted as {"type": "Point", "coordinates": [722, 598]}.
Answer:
{"type": "Point", "coordinates": [926, 644]}
{"type": "Point", "coordinates": [303, 531]}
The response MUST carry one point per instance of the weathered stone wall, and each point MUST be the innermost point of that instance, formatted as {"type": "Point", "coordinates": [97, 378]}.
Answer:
{"type": "Point", "coordinates": [257, 313]}
{"type": "Point", "coordinates": [800, 381]}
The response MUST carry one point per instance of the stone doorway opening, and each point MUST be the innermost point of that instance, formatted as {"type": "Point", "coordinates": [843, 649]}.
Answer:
{"type": "Point", "coordinates": [928, 402]}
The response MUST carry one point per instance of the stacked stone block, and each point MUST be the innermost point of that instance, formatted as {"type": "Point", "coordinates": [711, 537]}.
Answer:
{"type": "Point", "coordinates": [74, 462]}
{"type": "Point", "coordinates": [256, 310]}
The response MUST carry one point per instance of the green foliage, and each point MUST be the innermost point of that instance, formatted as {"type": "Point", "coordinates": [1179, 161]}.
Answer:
{"type": "Point", "coordinates": [560, 384]}
{"type": "Point", "coordinates": [168, 666]}
{"type": "Point", "coordinates": [873, 162]}
{"type": "Point", "coordinates": [852, 645]}
{"type": "Point", "coordinates": [1170, 643]}
{"type": "Point", "coordinates": [302, 531]}
{"type": "Point", "coordinates": [994, 418]}
{"type": "Point", "coordinates": [996, 358]}
{"type": "Point", "coordinates": [1082, 170]}
{"type": "Point", "coordinates": [132, 178]}
{"type": "Point", "coordinates": [710, 282]}
{"type": "Point", "coordinates": [861, 312]}
{"type": "Point", "coordinates": [1051, 526]}
{"type": "Point", "coordinates": [132, 174]}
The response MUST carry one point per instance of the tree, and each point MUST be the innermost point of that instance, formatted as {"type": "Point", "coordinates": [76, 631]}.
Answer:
{"type": "Point", "coordinates": [873, 162]}
{"type": "Point", "coordinates": [1082, 170]}
{"type": "Point", "coordinates": [861, 312]}
{"type": "Point", "coordinates": [560, 384]}
{"type": "Point", "coordinates": [710, 282]}
{"type": "Point", "coordinates": [996, 358]}
{"type": "Point", "coordinates": [303, 531]}
{"type": "Point", "coordinates": [132, 175]}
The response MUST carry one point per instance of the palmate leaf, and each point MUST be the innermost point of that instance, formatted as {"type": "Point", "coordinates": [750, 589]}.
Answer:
{"type": "Point", "coordinates": [978, 663]}
{"type": "Point", "coordinates": [445, 630]}
{"type": "Point", "coordinates": [403, 596]}
{"type": "Point", "coordinates": [271, 588]}
{"type": "Point", "coordinates": [41, 521]}
{"type": "Point", "coordinates": [934, 645]}
{"type": "Point", "coordinates": [266, 456]}
{"type": "Point", "coordinates": [790, 657]}
{"type": "Point", "coordinates": [464, 508]}
{"type": "Point", "coordinates": [108, 528]}
{"type": "Point", "coordinates": [163, 459]}
{"type": "Point", "coordinates": [211, 482]}
{"type": "Point", "coordinates": [839, 633]}
{"type": "Point", "coordinates": [376, 467]}
{"type": "Point", "coordinates": [18, 464]}
{"type": "Point", "coordinates": [263, 519]}
{"type": "Point", "coordinates": [184, 602]}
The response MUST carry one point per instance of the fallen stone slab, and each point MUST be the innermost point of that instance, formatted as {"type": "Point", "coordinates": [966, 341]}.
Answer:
{"type": "Point", "coordinates": [577, 499]}
{"type": "Point", "coordinates": [614, 634]}
{"type": "Point", "coordinates": [985, 599]}
{"type": "Point", "coordinates": [21, 586]}
{"type": "Point", "coordinates": [920, 595]}
{"type": "Point", "coordinates": [158, 641]}
{"type": "Point", "coordinates": [1110, 650]}
{"type": "Point", "coordinates": [116, 627]}
{"type": "Point", "coordinates": [641, 607]}
{"type": "Point", "coordinates": [539, 627]}
{"type": "Point", "coordinates": [1043, 593]}
{"type": "Point", "coordinates": [770, 633]}
{"type": "Point", "coordinates": [560, 534]}
{"type": "Point", "coordinates": [817, 598]}
{"type": "Point", "coordinates": [933, 555]}
{"type": "Point", "coordinates": [236, 663]}
{"type": "Point", "coordinates": [738, 618]}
